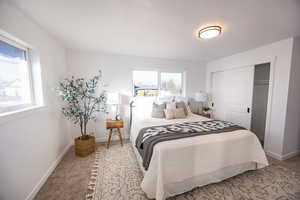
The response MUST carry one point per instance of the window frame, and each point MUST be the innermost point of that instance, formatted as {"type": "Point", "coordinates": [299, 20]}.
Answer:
{"type": "Point", "coordinates": [183, 80]}
{"type": "Point", "coordinates": [16, 108]}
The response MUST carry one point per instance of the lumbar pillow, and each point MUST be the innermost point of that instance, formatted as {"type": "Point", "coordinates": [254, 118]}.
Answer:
{"type": "Point", "coordinates": [158, 110]}
{"type": "Point", "coordinates": [169, 113]}
{"type": "Point", "coordinates": [179, 113]}
{"type": "Point", "coordinates": [182, 105]}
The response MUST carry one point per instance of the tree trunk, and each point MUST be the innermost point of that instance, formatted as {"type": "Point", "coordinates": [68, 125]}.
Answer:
{"type": "Point", "coordinates": [81, 130]}
{"type": "Point", "coordinates": [84, 126]}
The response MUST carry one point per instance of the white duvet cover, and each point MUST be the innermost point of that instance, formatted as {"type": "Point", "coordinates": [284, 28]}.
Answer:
{"type": "Point", "coordinates": [180, 165]}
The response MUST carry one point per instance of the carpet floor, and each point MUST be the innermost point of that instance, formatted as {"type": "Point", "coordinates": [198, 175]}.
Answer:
{"type": "Point", "coordinates": [118, 177]}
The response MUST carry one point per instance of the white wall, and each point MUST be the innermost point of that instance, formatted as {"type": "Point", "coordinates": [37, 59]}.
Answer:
{"type": "Point", "coordinates": [292, 126]}
{"type": "Point", "coordinates": [117, 73]}
{"type": "Point", "coordinates": [279, 54]}
{"type": "Point", "coordinates": [32, 142]}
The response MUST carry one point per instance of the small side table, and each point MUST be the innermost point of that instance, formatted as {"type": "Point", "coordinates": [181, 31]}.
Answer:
{"type": "Point", "coordinates": [111, 124]}
{"type": "Point", "coordinates": [207, 115]}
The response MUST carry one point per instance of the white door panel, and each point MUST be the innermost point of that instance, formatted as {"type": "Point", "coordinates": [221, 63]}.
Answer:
{"type": "Point", "coordinates": [218, 96]}
{"type": "Point", "coordinates": [232, 95]}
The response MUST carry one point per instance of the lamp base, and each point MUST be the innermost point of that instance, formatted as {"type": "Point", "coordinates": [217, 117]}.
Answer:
{"type": "Point", "coordinates": [117, 117]}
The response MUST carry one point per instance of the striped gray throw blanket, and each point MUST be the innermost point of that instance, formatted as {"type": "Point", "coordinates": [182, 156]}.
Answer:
{"type": "Point", "coordinates": [150, 136]}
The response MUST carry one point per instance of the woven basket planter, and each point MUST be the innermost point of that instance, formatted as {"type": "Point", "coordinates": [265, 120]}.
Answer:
{"type": "Point", "coordinates": [84, 147]}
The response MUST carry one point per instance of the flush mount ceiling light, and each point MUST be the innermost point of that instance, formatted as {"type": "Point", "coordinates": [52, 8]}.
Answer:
{"type": "Point", "coordinates": [209, 32]}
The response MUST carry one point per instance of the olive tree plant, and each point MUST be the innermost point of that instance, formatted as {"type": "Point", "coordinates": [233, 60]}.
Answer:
{"type": "Point", "coordinates": [83, 99]}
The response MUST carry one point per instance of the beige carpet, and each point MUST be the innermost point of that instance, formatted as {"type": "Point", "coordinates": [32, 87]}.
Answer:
{"type": "Point", "coordinates": [70, 178]}
{"type": "Point", "coordinates": [116, 176]}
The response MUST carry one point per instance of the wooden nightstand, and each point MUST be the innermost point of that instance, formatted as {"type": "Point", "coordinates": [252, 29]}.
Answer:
{"type": "Point", "coordinates": [117, 124]}
{"type": "Point", "coordinates": [205, 115]}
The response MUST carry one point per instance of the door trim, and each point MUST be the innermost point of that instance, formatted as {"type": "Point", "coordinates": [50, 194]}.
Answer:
{"type": "Point", "coordinates": [269, 105]}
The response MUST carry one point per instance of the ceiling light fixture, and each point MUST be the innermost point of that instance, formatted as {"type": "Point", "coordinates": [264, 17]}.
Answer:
{"type": "Point", "coordinates": [209, 32]}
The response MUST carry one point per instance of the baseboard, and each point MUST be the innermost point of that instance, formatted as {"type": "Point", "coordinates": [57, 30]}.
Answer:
{"type": "Point", "coordinates": [38, 186]}
{"type": "Point", "coordinates": [290, 155]}
{"type": "Point", "coordinates": [283, 157]}
{"type": "Point", "coordinates": [273, 155]}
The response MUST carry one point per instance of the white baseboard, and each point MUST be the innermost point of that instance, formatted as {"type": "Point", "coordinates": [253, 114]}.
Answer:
{"type": "Point", "coordinates": [290, 155]}
{"type": "Point", "coordinates": [283, 157]}
{"type": "Point", "coordinates": [273, 155]}
{"type": "Point", "coordinates": [48, 173]}
{"type": "Point", "coordinates": [102, 139]}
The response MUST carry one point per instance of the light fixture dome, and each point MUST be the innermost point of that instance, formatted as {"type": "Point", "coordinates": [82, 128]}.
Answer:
{"type": "Point", "coordinates": [209, 32]}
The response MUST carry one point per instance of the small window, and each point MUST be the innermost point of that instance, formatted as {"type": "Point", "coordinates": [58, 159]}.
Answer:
{"type": "Point", "coordinates": [153, 83]}
{"type": "Point", "coordinates": [15, 77]}
{"type": "Point", "coordinates": [171, 84]}
{"type": "Point", "coordinates": [145, 83]}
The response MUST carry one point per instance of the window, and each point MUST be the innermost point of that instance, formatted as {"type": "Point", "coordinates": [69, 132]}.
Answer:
{"type": "Point", "coordinates": [145, 83]}
{"type": "Point", "coordinates": [171, 84]}
{"type": "Point", "coordinates": [15, 77]}
{"type": "Point", "coordinates": [153, 83]}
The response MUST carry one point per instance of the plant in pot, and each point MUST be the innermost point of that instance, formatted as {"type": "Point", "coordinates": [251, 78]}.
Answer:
{"type": "Point", "coordinates": [206, 110]}
{"type": "Point", "coordinates": [83, 99]}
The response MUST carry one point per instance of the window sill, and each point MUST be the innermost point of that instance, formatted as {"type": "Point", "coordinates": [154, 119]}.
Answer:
{"type": "Point", "coordinates": [21, 113]}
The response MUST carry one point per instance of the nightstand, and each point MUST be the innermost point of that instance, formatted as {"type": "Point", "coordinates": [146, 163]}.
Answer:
{"type": "Point", "coordinates": [207, 115]}
{"type": "Point", "coordinates": [114, 124]}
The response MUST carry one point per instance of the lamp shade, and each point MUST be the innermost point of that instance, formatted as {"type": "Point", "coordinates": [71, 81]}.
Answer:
{"type": "Point", "coordinates": [113, 98]}
{"type": "Point", "coordinates": [201, 96]}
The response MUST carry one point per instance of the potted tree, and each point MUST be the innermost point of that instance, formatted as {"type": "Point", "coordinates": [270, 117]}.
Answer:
{"type": "Point", "coordinates": [82, 100]}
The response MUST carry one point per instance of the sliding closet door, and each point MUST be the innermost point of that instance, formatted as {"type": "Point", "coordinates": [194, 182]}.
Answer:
{"type": "Point", "coordinates": [232, 95]}
{"type": "Point", "coordinates": [238, 96]}
{"type": "Point", "coordinates": [218, 94]}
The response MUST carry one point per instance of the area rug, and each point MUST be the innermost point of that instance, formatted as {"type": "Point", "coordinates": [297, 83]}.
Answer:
{"type": "Point", "coordinates": [116, 176]}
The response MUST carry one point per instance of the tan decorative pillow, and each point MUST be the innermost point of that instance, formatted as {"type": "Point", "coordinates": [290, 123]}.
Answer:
{"type": "Point", "coordinates": [171, 105]}
{"type": "Point", "coordinates": [179, 113]}
{"type": "Point", "coordinates": [169, 113]}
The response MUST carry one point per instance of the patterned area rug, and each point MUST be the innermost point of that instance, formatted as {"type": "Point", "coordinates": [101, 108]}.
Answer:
{"type": "Point", "coordinates": [116, 176]}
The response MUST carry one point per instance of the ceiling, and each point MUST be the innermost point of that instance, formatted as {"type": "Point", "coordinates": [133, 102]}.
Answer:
{"type": "Point", "coordinates": [165, 28]}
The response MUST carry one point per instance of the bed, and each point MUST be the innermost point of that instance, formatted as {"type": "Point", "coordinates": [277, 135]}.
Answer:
{"type": "Point", "coordinates": [180, 165]}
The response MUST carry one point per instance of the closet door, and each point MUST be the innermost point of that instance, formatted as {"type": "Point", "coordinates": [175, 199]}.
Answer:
{"type": "Point", "coordinates": [238, 96]}
{"type": "Point", "coordinates": [232, 95]}
{"type": "Point", "coordinates": [218, 94]}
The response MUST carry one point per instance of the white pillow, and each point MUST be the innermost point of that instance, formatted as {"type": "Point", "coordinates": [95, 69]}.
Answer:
{"type": "Point", "coordinates": [180, 98]}
{"type": "Point", "coordinates": [142, 108]}
{"type": "Point", "coordinates": [164, 99]}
